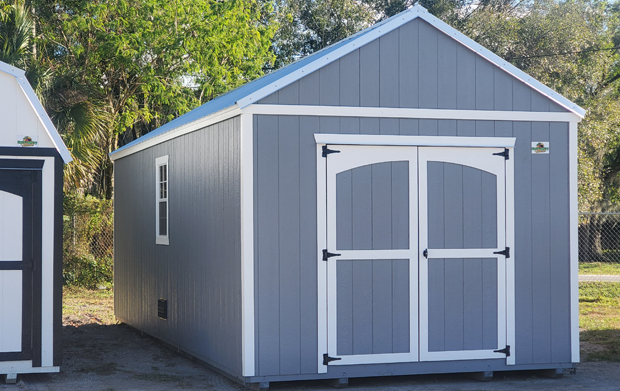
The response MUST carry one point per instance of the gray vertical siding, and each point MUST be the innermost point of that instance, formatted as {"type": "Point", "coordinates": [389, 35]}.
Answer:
{"type": "Point", "coordinates": [373, 306]}
{"type": "Point", "coordinates": [373, 207]}
{"type": "Point", "coordinates": [199, 273]}
{"type": "Point", "coordinates": [414, 66]}
{"type": "Point", "coordinates": [542, 276]}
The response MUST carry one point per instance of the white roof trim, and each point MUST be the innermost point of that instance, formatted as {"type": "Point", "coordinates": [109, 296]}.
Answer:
{"type": "Point", "coordinates": [49, 127]}
{"type": "Point", "coordinates": [416, 11]}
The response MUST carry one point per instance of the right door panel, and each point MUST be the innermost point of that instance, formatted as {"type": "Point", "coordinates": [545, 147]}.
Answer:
{"type": "Point", "coordinates": [462, 272]}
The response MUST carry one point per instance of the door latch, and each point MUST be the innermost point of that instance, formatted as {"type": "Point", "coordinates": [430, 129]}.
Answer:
{"type": "Point", "coordinates": [425, 253]}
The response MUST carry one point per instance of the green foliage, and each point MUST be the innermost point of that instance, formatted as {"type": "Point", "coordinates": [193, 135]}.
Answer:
{"type": "Point", "coordinates": [600, 268]}
{"type": "Point", "coordinates": [87, 242]}
{"type": "Point", "coordinates": [126, 67]}
{"type": "Point", "coordinates": [306, 26]}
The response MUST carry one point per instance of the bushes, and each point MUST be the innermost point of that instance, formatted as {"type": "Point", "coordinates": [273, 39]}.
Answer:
{"type": "Point", "coordinates": [88, 249]}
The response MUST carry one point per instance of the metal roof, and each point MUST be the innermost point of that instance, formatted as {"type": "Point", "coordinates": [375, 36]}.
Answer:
{"type": "Point", "coordinates": [254, 91]}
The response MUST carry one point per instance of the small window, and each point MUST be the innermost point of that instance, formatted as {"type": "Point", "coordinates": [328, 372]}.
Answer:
{"type": "Point", "coordinates": [161, 200]}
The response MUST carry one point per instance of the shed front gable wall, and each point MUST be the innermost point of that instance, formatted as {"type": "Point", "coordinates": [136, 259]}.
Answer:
{"type": "Point", "coordinates": [414, 66]}
{"type": "Point", "coordinates": [285, 236]}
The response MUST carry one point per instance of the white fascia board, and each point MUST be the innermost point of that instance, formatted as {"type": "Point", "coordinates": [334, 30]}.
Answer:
{"type": "Point", "coordinates": [198, 124]}
{"type": "Point", "coordinates": [420, 141]}
{"type": "Point", "coordinates": [11, 70]}
{"type": "Point", "coordinates": [328, 58]}
{"type": "Point", "coordinates": [416, 11]}
{"type": "Point", "coordinates": [392, 112]}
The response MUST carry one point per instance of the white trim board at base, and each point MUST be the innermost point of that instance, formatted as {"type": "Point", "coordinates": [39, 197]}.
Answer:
{"type": "Point", "coordinates": [394, 112]}
{"type": "Point", "coordinates": [21, 367]}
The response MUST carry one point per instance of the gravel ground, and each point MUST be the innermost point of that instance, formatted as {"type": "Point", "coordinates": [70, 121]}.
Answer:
{"type": "Point", "coordinates": [116, 357]}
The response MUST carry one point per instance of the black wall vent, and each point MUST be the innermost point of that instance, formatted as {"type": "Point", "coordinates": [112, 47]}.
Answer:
{"type": "Point", "coordinates": [162, 308]}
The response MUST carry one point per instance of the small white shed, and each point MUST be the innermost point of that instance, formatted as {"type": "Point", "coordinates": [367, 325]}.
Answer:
{"type": "Point", "coordinates": [32, 155]}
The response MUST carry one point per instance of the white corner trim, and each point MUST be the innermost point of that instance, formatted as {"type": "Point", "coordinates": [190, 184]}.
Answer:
{"type": "Point", "coordinates": [162, 239]}
{"type": "Point", "coordinates": [198, 124]}
{"type": "Point", "coordinates": [392, 112]}
{"type": "Point", "coordinates": [247, 245]}
{"type": "Point", "coordinates": [574, 242]}
{"type": "Point", "coordinates": [44, 118]}
{"type": "Point", "coordinates": [420, 141]}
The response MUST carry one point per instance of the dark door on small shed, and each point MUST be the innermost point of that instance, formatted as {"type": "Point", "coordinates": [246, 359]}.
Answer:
{"type": "Point", "coordinates": [20, 260]}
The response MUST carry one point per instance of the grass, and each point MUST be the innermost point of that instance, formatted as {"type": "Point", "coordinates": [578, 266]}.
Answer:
{"type": "Point", "coordinates": [599, 268]}
{"type": "Point", "coordinates": [599, 321]}
{"type": "Point", "coordinates": [83, 306]}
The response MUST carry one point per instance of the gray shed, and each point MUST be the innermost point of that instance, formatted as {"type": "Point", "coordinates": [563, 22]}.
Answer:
{"type": "Point", "coordinates": [32, 156]}
{"type": "Point", "coordinates": [401, 202]}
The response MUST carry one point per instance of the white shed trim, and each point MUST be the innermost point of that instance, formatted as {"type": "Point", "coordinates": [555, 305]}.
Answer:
{"type": "Point", "coordinates": [247, 246]}
{"type": "Point", "coordinates": [420, 141]}
{"type": "Point", "coordinates": [416, 11]}
{"type": "Point", "coordinates": [391, 112]}
{"type": "Point", "coordinates": [574, 241]}
{"type": "Point", "coordinates": [20, 77]}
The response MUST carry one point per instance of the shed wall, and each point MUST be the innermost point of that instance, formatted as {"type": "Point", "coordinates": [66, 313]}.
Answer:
{"type": "Point", "coordinates": [414, 66]}
{"type": "Point", "coordinates": [199, 273]}
{"type": "Point", "coordinates": [285, 234]}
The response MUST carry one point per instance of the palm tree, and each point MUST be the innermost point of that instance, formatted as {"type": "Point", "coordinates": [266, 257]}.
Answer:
{"type": "Point", "coordinates": [80, 121]}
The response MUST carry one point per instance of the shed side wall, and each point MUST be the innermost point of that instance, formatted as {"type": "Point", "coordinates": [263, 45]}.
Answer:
{"type": "Point", "coordinates": [285, 233]}
{"type": "Point", "coordinates": [199, 273]}
{"type": "Point", "coordinates": [414, 66]}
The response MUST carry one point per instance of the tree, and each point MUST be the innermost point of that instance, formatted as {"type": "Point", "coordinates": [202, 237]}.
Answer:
{"type": "Point", "coordinates": [126, 67]}
{"type": "Point", "coordinates": [306, 26]}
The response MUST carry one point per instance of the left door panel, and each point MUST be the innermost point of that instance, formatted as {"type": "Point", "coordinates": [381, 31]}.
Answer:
{"type": "Point", "coordinates": [372, 281]}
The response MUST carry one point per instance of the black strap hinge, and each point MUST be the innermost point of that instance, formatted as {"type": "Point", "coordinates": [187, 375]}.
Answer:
{"type": "Point", "coordinates": [506, 351]}
{"type": "Point", "coordinates": [327, 359]}
{"type": "Point", "coordinates": [327, 151]}
{"type": "Point", "coordinates": [327, 255]}
{"type": "Point", "coordinates": [505, 154]}
{"type": "Point", "coordinates": [505, 252]}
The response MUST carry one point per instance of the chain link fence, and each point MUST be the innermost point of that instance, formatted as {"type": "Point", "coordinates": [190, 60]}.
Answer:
{"type": "Point", "coordinates": [88, 243]}
{"type": "Point", "coordinates": [599, 253]}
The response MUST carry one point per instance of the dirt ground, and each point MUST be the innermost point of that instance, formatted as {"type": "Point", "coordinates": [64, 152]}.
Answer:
{"type": "Point", "coordinates": [101, 355]}
{"type": "Point", "coordinates": [116, 357]}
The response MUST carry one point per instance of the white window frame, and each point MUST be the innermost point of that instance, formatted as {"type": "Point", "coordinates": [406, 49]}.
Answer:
{"type": "Point", "coordinates": [162, 239]}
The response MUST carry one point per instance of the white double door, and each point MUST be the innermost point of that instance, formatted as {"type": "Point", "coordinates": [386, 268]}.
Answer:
{"type": "Point", "coordinates": [415, 254]}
